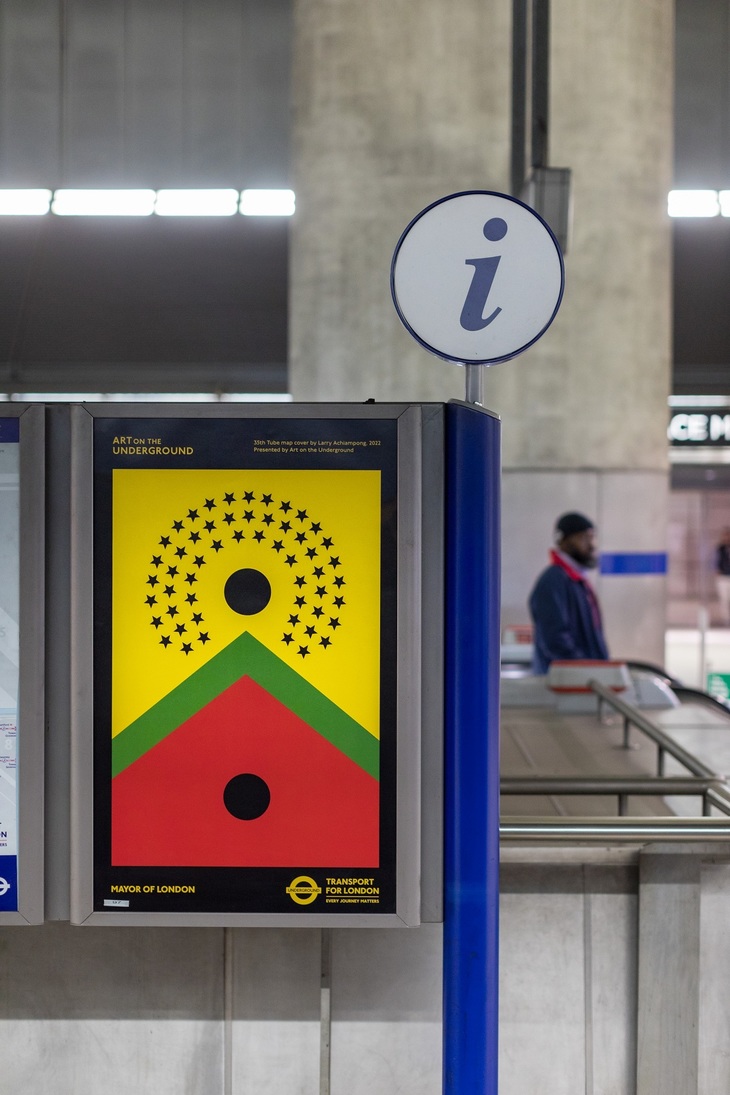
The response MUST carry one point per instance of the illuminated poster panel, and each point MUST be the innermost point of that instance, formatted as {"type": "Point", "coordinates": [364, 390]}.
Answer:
{"type": "Point", "coordinates": [245, 703]}
{"type": "Point", "coordinates": [9, 659]}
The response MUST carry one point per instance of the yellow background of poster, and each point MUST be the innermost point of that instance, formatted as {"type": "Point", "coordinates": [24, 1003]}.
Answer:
{"type": "Point", "coordinates": [340, 506]}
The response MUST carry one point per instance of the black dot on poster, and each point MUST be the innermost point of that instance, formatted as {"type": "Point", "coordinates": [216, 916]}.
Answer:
{"type": "Point", "coordinates": [246, 796]}
{"type": "Point", "coordinates": [247, 591]}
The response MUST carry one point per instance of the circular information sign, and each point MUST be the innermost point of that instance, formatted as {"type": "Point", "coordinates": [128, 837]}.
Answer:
{"type": "Point", "coordinates": [477, 277]}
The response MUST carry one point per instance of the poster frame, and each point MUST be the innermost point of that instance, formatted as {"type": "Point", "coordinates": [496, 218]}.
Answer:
{"type": "Point", "coordinates": [419, 723]}
{"type": "Point", "coordinates": [31, 657]}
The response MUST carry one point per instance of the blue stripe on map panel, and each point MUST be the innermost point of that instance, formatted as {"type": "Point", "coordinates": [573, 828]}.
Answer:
{"type": "Point", "coordinates": [9, 429]}
{"type": "Point", "coordinates": [634, 562]}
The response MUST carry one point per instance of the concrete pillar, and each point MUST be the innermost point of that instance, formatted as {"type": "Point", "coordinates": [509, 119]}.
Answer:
{"type": "Point", "coordinates": [397, 104]}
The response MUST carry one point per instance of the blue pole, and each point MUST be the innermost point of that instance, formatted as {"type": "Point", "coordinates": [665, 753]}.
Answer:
{"type": "Point", "coordinates": [471, 823]}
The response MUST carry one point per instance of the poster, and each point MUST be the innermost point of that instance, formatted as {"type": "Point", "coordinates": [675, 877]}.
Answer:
{"type": "Point", "coordinates": [245, 665]}
{"type": "Point", "coordinates": [9, 661]}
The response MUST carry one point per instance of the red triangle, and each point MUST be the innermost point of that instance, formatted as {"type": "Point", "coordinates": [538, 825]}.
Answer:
{"type": "Point", "coordinates": [168, 809]}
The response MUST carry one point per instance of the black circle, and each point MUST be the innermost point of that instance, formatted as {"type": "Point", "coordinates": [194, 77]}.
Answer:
{"type": "Point", "coordinates": [247, 591]}
{"type": "Point", "coordinates": [246, 796]}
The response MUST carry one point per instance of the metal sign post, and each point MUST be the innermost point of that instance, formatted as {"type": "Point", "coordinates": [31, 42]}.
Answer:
{"type": "Point", "coordinates": [476, 279]}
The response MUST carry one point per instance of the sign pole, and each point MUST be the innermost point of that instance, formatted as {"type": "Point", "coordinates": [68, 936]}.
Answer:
{"type": "Point", "coordinates": [475, 384]}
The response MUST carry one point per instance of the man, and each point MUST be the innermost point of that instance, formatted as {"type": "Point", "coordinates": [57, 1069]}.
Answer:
{"type": "Point", "coordinates": [563, 606]}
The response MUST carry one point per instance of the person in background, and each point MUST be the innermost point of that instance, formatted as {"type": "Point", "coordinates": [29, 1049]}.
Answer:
{"type": "Point", "coordinates": [722, 570]}
{"type": "Point", "coordinates": [565, 612]}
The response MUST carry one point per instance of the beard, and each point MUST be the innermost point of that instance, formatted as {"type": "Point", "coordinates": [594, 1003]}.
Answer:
{"type": "Point", "coordinates": [587, 559]}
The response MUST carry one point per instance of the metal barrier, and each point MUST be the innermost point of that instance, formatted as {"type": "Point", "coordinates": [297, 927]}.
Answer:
{"type": "Point", "coordinates": [704, 782]}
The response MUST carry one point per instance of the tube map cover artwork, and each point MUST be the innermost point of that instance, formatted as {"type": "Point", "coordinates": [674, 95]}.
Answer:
{"type": "Point", "coordinates": [241, 702]}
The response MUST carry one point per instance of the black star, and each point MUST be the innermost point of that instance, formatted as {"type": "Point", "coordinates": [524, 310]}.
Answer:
{"type": "Point", "coordinates": [287, 638]}
{"type": "Point", "coordinates": [156, 561]}
{"type": "Point", "coordinates": [229, 499]}
{"type": "Point", "coordinates": [197, 618]}
{"type": "Point", "coordinates": [303, 650]}
{"type": "Point", "coordinates": [267, 499]}
{"type": "Point", "coordinates": [300, 581]}
{"type": "Point", "coordinates": [165, 541]}
{"type": "Point", "coordinates": [285, 506]}
{"type": "Point", "coordinates": [169, 591]}
{"type": "Point", "coordinates": [311, 552]}
{"type": "Point", "coordinates": [318, 572]}
{"type": "Point", "coordinates": [198, 561]}
{"type": "Point", "coordinates": [267, 518]}
{"type": "Point", "coordinates": [325, 641]}
{"type": "Point", "coordinates": [299, 602]}
{"type": "Point", "coordinates": [293, 620]}
{"type": "Point", "coordinates": [165, 640]}
{"type": "Point", "coordinates": [301, 515]}
{"type": "Point", "coordinates": [177, 525]}
{"type": "Point", "coordinates": [335, 561]}
{"type": "Point", "coordinates": [321, 591]}
{"type": "Point", "coordinates": [339, 601]}
{"type": "Point", "coordinates": [247, 515]}
{"type": "Point", "coordinates": [278, 545]}
{"type": "Point", "coordinates": [193, 514]}
{"type": "Point", "coordinates": [209, 526]}
{"type": "Point", "coordinates": [180, 628]}
{"type": "Point", "coordinates": [340, 581]}
{"type": "Point", "coordinates": [172, 571]}
{"type": "Point", "coordinates": [209, 504]}
{"type": "Point", "coordinates": [228, 518]}
{"type": "Point", "coordinates": [300, 537]}
{"type": "Point", "coordinates": [316, 527]}
{"type": "Point", "coordinates": [310, 631]}
{"type": "Point", "coordinates": [180, 552]}
{"type": "Point", "coordinates": [190, 578]}
{"type": "Point", "coordinates": [152, 580]}
{"type": "Point", "coordinates": [191, 598]}
{"type": "Point", "coordinates": [290, 560]}
{"type": "Point", "coordinates": [326, 542]}
{"type": "Point", "coordinates": [334, 622]}
{"type": "Point", "coordinates": [216, 545]}
{"type": "Point", "coordinates": [238, 536]}
{"type": "Point", "coordinates": [151, 600]}
{"type": "Point", "coordinates": [157, 621]}
{"type": "Point", "coordinates": [203, 636]}
{"type": "Point", "coordinates": [248, 496]}
{"type": "Point", "coordinates": [171, 611]}
{"type": "Point", "coordinates": [194, 537]}
{"type": "Point", "coordinates": [186, 648]}
{"type": "Point", "coordinates": [258, 536]}
{"type": "Point", "coordinates": [285, 526]}
{"type": "Point", "coordinates": [317, 610]}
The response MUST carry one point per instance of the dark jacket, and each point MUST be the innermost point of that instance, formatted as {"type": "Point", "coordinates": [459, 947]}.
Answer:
{"type": "Point", "coordinates": [566, 617]}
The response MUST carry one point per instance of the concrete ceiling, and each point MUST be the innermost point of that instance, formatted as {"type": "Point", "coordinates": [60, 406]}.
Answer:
{"type": "Point", "coordinates": [195, 93]}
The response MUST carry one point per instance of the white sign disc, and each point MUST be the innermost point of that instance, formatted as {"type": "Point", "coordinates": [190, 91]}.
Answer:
{"type": "Point", "coordinates": [477, 277]}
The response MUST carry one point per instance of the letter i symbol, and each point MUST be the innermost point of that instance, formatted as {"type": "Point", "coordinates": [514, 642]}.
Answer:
{"type": "Point", "coordinates": [472, 314]}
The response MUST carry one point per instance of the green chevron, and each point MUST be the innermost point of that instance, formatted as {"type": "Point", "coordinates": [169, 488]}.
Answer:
{"type": "Point", "coordinates": [246, 657]}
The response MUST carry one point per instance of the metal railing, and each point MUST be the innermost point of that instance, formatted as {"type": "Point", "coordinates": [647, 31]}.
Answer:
{"type": "Point", "coordinates": [703, 781]}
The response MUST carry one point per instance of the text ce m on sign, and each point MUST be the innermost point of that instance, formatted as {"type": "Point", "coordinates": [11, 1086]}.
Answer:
{"type": "Point", "coordinates": [477, 277]}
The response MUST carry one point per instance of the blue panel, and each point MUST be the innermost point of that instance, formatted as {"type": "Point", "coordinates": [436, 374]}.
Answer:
{"type": "Point", "coordinates": [471, 824]}
{"type": "Point", "coordinates": [634, 562]}
{"type": "Point", "coordinates": [8, 883]}
{"type": "Point", "coordinates": [9, 429]}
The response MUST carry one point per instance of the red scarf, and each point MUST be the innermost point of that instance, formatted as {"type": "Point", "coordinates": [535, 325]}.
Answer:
{"type": "Point", "coordinates": [576, 576]}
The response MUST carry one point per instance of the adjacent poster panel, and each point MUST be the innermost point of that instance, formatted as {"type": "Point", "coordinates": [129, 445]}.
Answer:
{"type": "Point", "coordinates": [245, 668]}
{"type": "Point", "coordinates": [21, 664]}
{"type": "Point", "coordinates": [9, 659]}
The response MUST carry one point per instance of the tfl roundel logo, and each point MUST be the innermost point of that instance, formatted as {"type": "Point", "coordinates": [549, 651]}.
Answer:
{"type": "Point", "coordinates": [4, 886]}
{"type": "Point", "coordinates": [303, 890]}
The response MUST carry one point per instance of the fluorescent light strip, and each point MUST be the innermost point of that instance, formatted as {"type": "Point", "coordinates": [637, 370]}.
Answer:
{"type": "Point", "coordinates": [693, 203]}
{"type": "Point", "coordinates": [143, 203]}
{"type": "Point", "coordinates": [103, 203]}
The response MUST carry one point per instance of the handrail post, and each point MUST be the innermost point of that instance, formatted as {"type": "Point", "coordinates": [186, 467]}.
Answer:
{"type": "Point", "coordinates": [627, 727]}
{"type": "Point", "coordinates": [660, 760]}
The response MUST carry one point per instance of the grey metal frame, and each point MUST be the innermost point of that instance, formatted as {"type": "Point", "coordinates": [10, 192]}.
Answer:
{"type": "Point", "coordinates": [31, 704]}
{"type": "Point", "coordinates": [420, 592]}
